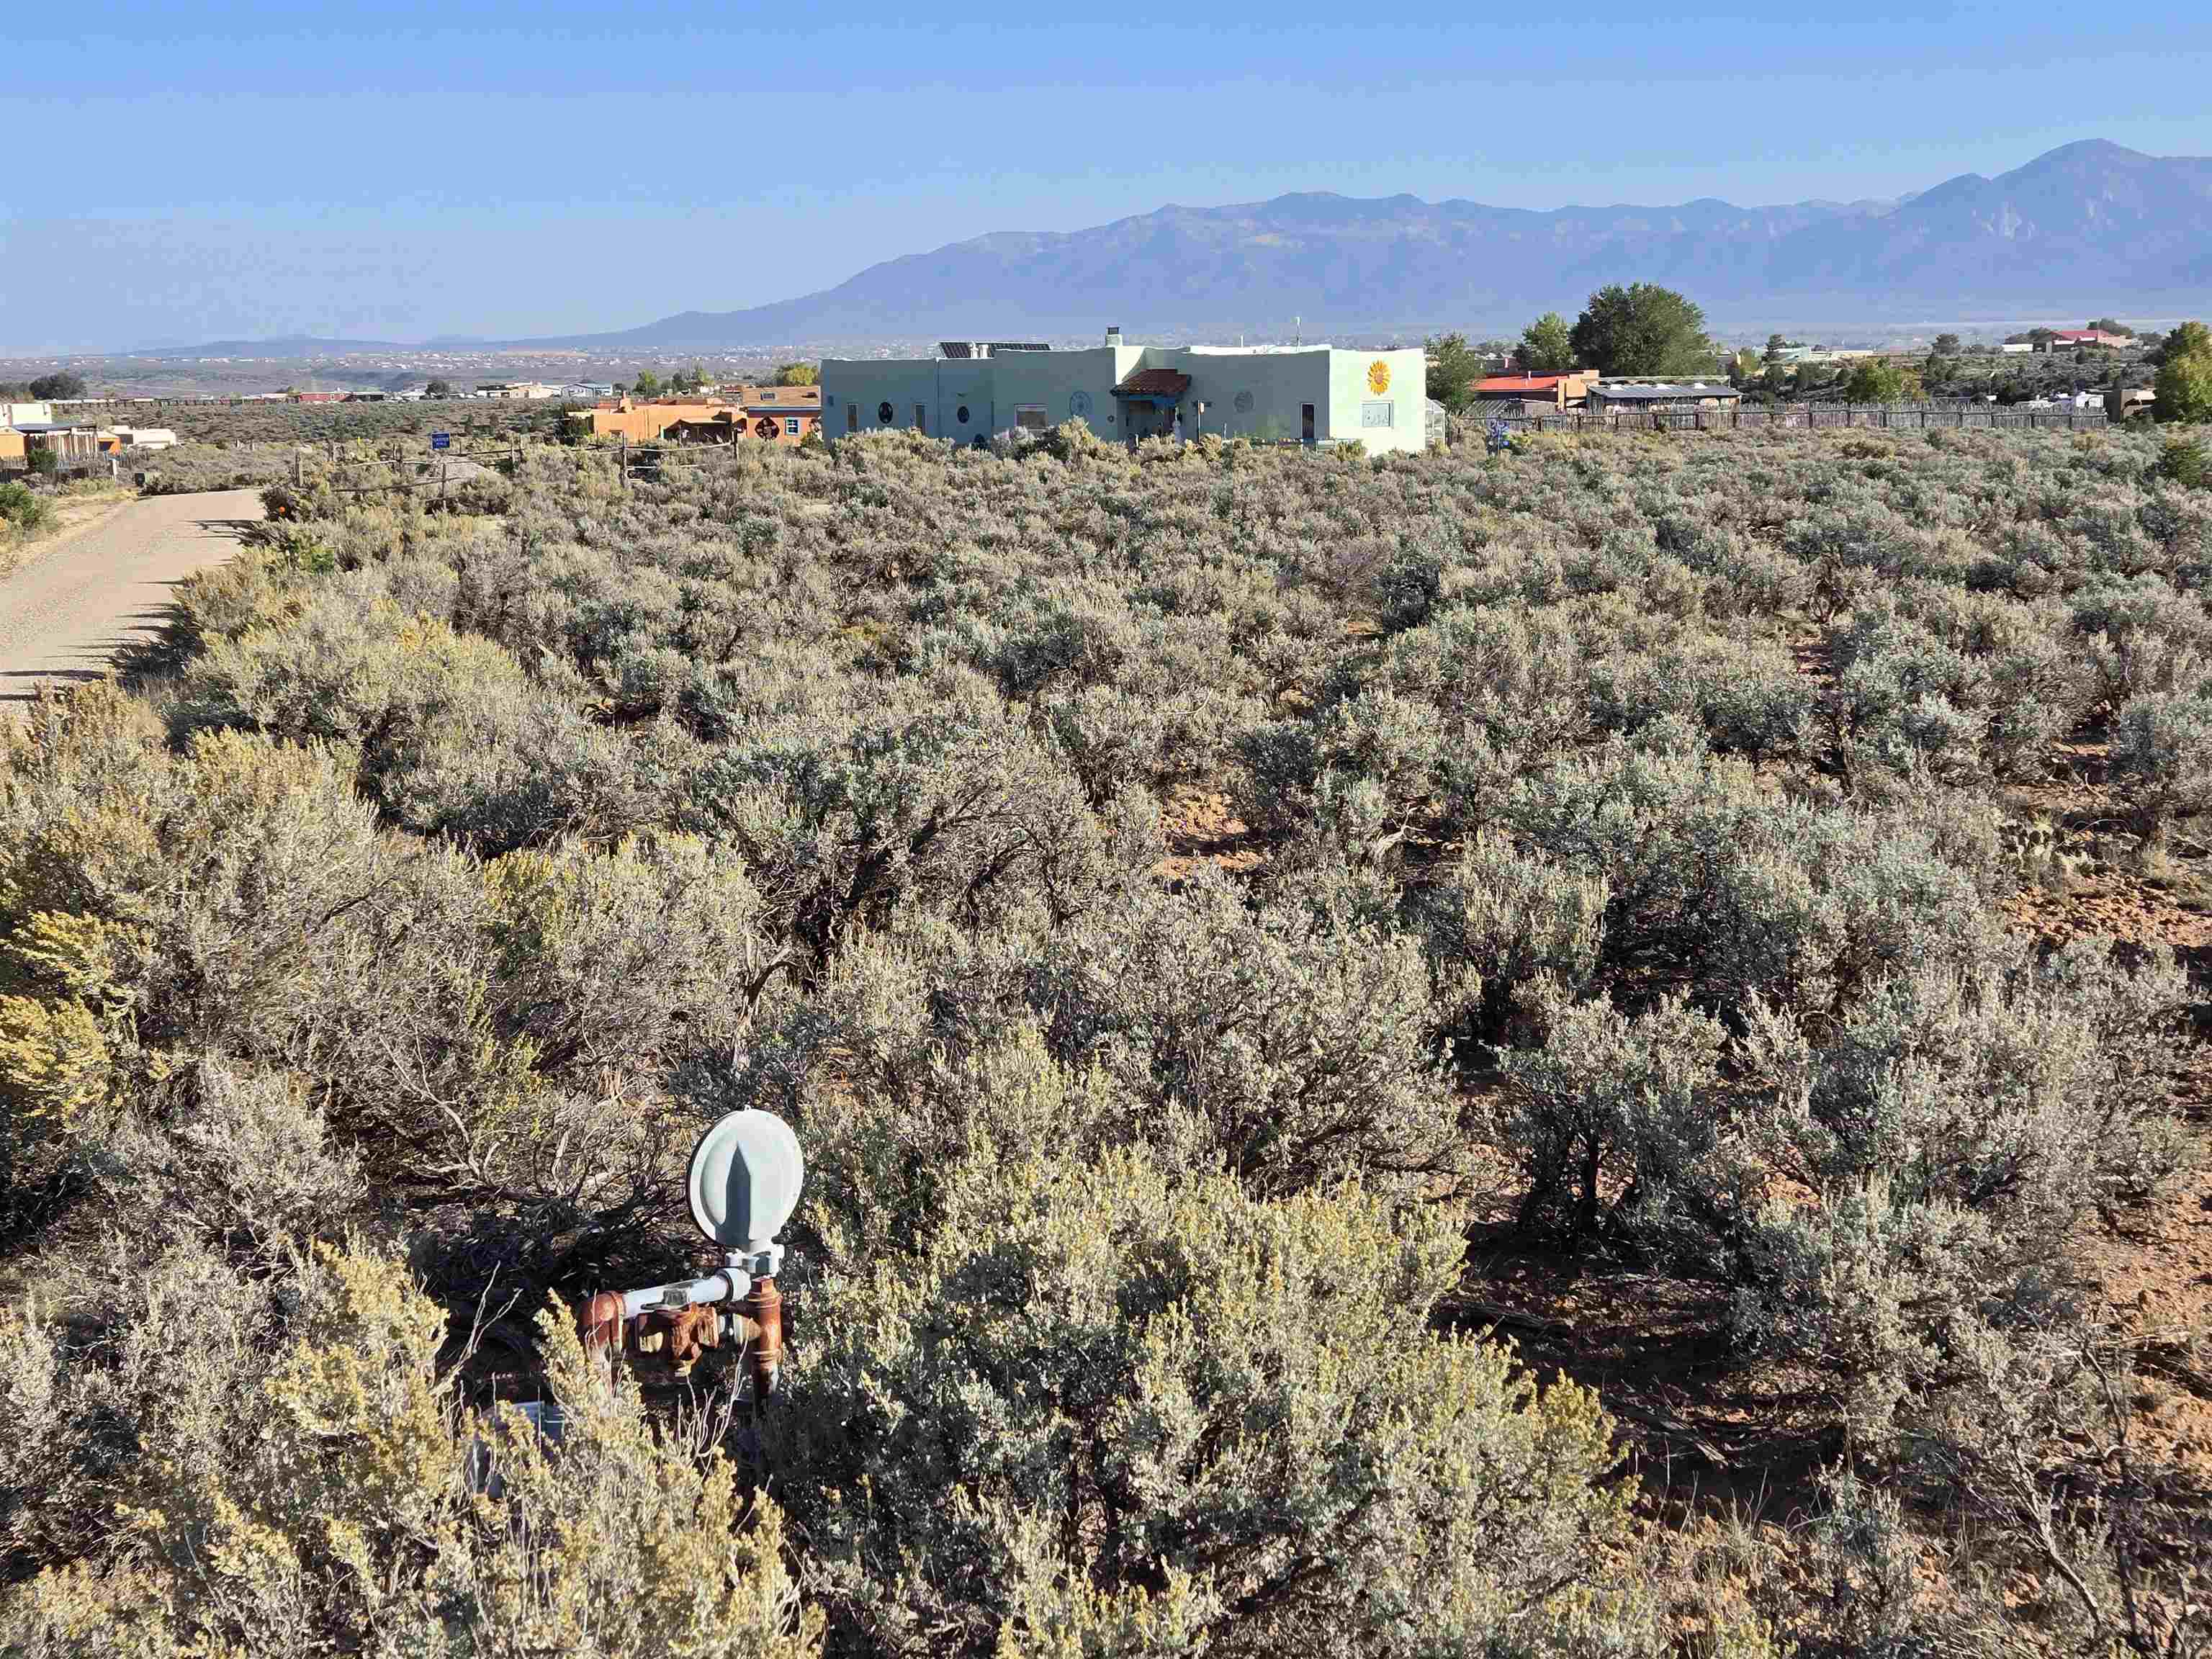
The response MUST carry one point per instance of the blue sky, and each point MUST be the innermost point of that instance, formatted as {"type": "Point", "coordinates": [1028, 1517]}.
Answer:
{"type": "Point", "coordinates": [401, 171]}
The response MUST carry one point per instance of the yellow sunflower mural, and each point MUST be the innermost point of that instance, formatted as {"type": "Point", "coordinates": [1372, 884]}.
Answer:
{"type": "Point", "coordinates": [1378, 377]}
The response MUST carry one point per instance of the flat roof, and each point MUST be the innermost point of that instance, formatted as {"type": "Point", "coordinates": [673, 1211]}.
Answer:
{"type": "Point", "coordinates": [1653, 393]}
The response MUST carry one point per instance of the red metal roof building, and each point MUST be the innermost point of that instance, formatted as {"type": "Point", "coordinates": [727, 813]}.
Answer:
{"type": "Point", "coordinates": [1560, 390]}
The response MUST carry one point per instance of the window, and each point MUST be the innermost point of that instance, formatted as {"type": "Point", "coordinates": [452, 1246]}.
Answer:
{"type": "Point", "coordinates": [790, 426]}
{"type": "Point", "coordinates": [1030, 417]}
{"type": "Point", "coordinates": [961, 414]}
{"type": "Point", "coordinates": [884, 413]}
{"type": "Point", "coordinates": [1375, 413]}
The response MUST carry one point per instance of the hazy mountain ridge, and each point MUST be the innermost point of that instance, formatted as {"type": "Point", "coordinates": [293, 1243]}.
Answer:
{"type": "Point", "coordinates": [2090, 224]}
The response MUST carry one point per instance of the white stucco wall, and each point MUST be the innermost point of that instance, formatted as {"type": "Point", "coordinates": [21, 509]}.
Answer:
{"type": "Point", "coordinates": [1052, 379]}
{"type": "Point", "coordinates": [1277, 386]}
{"type": "Point", "coordinates": [1406, 396]}
{"type": "Point", "coordinates": [862, 384]}
{"type": "Point", "coordinates": [1274, 386]}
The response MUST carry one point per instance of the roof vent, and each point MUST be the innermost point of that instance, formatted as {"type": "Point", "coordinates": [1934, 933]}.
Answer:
{"type": "Point", "coordinates": [1113, 337]}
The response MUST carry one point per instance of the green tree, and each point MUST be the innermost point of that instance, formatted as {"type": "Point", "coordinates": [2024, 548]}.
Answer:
{"type": "Point", "coordinates": [60, 385]}
{"type": "Point", "coordinates": [1878, 380]}
{"type": "Point", "coordinates": [1942, 366]}
{"type": "Point", "coordinates": [1548, 346]}
{"type": "Point", "coordinates": [799, 375]}
{"type": "Point", "coordinates": [1642, 329]}
{"type": "Point", "coordinates": [2186, 338]}
{"type": "Point", "coordinates": [439, 389]}
{"type": "Point", "coordinates": [2184, 387]}
{"type": "Point", "coordinates": [1745, 367]}
{"type": "Point", "coordinates": [648, 384]}
{"type": "Point", "coordinates": [1453, 368]}
{"type": "Point", "coordinates": [2110, 326]}
{"type": "Point", "coordinates": [1776, 345]}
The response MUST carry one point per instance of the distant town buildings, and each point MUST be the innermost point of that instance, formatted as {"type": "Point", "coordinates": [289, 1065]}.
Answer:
{"type": "Point", "coordinates": [1795, 355]}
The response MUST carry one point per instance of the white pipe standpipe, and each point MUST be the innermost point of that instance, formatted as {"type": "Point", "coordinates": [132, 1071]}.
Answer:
{"type": "Point", "coordinates": [728, 1286]}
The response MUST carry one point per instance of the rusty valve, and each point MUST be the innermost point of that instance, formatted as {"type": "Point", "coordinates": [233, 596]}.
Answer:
{"type": "Point", "coordinates": [742, 1186]}
{"type": "Point", "coordinates": [684, 1334]}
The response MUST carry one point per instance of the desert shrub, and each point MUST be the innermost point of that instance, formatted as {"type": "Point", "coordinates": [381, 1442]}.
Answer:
{"type": "Point", "coordinates": [1088, 1381]}
{"type": "Point", "coordinates": [1716, 888]}
{"type": "Point", "coordinates": [1957, 1126]}
{"type": "Point", "coordinates": [242, 1160]}
{"type": "Point", "coordinates": [1623, 1130]}
{"type": "Point", "coordinates": [22, 508]}
{"type": "Point", "coordinates": [451, 734]}
{"type": "Point", "coordinates": [457, 866]}
{"type": "Point", "coordinates": [240, 902]}
{"type": "Point", "coordinates": [2181, 460]}
{"type": "Point", "coordinates": [1298, 1042]}
{"type": "Point", "coordinates": [2140, 636]}
{"type": "Point", "coordinates": [2161, 755]}
{"type": "Point", "coordinates": [2044, 1446]}
{"type": "Point", "coordinates": [1497, 921]}
{"type": "Point", "coordinates": [1905, 702]}
{"type": "Point", "coordinates": [949, 801]}
{"type": "Point", "coordinates": [303, 1478]}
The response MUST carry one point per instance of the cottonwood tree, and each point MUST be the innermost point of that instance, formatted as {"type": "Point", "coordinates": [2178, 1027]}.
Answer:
{"type": "Point", "coordinates": [1546, 347]}
{"type": "Point", "coordinates": [1641, 329]}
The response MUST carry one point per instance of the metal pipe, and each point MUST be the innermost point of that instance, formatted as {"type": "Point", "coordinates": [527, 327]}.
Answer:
{"type": "Point", "coordinates": [725, 1287]}
{"type": "Point", "coordinates": [762, 1309]}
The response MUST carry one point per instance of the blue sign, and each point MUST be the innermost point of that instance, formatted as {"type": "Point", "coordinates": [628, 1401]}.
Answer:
{"type": "Point", "coordinates": [440, 440]}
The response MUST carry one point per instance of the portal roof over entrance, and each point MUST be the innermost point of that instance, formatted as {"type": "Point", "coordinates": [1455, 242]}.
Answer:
{"type": "Point", "coordinates": [1168, 383]}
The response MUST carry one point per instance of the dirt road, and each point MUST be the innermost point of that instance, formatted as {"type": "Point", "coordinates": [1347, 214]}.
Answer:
{"type": "Point", "coordinates": [68, 610]}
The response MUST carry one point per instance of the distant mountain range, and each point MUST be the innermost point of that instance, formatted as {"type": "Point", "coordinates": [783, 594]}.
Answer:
{"type": "Point", "coordinates": [290, 345]}
{"type": "Point", "coordinates": [2090, 227]}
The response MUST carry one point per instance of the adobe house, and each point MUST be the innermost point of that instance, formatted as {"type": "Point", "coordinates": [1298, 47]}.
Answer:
{"type": "Point", "coordinates": [1316, 394]}
{"type": "Point", "coordinates": [786, 414]}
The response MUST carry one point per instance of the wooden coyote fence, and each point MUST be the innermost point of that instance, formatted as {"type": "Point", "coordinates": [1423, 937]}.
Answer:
{"type": "Point", "coordinates": [1802, 417]}
{"type": "Point", "coordinates": [433, 473]}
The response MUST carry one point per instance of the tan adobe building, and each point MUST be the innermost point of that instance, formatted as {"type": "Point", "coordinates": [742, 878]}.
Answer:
{"type": "Point", "coordinates": [781, 414]}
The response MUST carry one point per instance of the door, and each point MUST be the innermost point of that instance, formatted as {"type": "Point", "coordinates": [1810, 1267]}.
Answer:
{"type": "Point", "coordinates": [921, 417]}
{"type": "Point", "coordinates": [1306, 422]}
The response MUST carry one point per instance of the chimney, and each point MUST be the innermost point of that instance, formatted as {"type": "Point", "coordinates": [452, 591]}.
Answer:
{"type": "Point", "coordinates": [1113, 337]}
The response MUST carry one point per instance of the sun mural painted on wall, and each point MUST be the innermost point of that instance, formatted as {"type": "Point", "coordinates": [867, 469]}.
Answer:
{"type": "Point", "coordinates": [1378, 377]}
